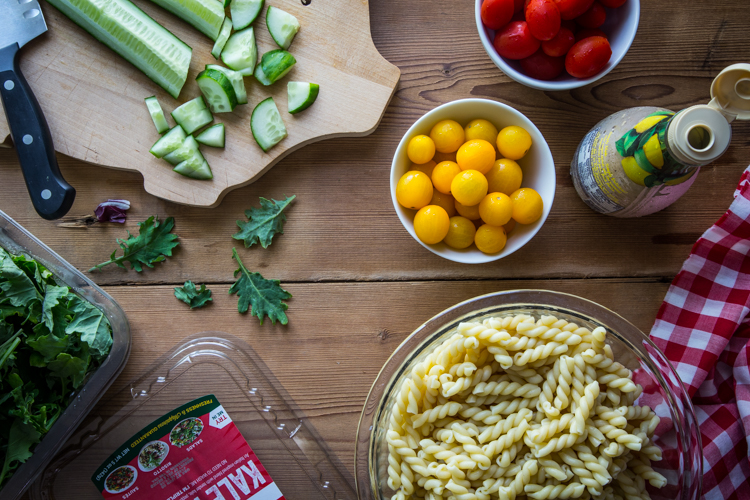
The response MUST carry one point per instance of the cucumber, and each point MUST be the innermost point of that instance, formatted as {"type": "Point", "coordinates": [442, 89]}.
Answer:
{"type": "Point", "coordinates": [187, 150]}
{"type": "Point", "coordinates": [192, 115]}
{"type": "Point", "coordinates": [244, 12]}
{"type": "Point", "coordinates": [240, 53]}
{"type": "Point", "coordinates": [195, 167]}
{"type": "Point", "coordinates": [213, 136]}
{"type": "Point", "coordinates": [217, 90]}
{"type": "Point", "coordinates": [206, 16]}
{"type": "Point", "coordinates": [169, 142]}
{"type": "Point", "coordinates": [260, 76]}
{"type": "Point", "coordinates": [157, 115]}
{"type": "Point", "coordinates": [276, 63]}
{"type": "Point", "coordinates": [226, 30]}
{"type": "Point", "coordinates": [282, 26]}
{"type": "Point", "coordinates": [132, 34]}
{"type": "Point", "coordinates": [266, 124]}
{"type": "Point", "coordinates": [237, 81]}
{"type": "Point", "coordinates": [301, 95]}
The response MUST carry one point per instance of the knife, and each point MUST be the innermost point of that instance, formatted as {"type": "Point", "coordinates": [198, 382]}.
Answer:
{"type": "Point", "coordinates": [20, 22]}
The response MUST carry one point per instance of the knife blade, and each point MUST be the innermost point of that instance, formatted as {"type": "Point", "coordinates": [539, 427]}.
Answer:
{"type": "Point", "coordinates": [20, 22]}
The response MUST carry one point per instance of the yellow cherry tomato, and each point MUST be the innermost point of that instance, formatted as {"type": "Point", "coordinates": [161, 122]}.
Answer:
{"type": "Point", "coordinates": [424, 167]}
{"type": "Point", "coordinates": [443, 174]}
{"type": "Point", "coordinates": [527, 205]}
{"type": "Point", "coordinates": [481, 129]}
{"type": "Point", "coordinates": [513, 142]}
{"type": "Point", "coordinates": [421, 149]}
{"type": "Point", "coordinates": [460, 233]}
{"type": "Point", "coordinates": [448, 136]}
{"type": "Point", "coordinates": [490, 239]}
{"type": "Point", "coordinates": [509, 226]}
{"type": "Point", "coordinates": [431, 224]}
{"type": "Point", "coordinates": [496, 209]}
{"type": "Point", "coordinates": [444, 200]}
{"type": "Point", "coordinates": [414, 190]}
{"type": "Point", "coordinates": [505, 176]}
{"type": "Point", "coordinates": [440, 157]}
{"type": "Point", "coordinates": [471, 213]}
{"type": "Point", "coordinates": [469, 187]}
{"type": "Point", "coordinates": [476, 155]}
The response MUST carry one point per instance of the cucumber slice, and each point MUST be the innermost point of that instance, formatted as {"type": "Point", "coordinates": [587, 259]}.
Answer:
{"type": "Point", "coordinates": [226, 30]}
{"type": "Point", "coordinates": [157, 115]}
{"type": "Point", "coordinates": [282, 26]}
{"type": "Point", "coordinates": [301, 95]}
{"type": "Point", "coordinates": [244, 12]}
{"type": "Point", "coordinates": [187, 150]}
{"type": "Point", "coordinates": [240, 53]}
{"type": "Point", "coordinates": [260, 76]}
{"type": "Point", "coordinates": [213, 136]}
{"type": "Point", "coordinates": [207, 16]}
{"type": "Point", "coordinates": [136, 37]}
{"type": "Point", "coordinates": [195, 168]}
{"type": "Point", "coordinates": [276, 63]}
{"type": "Point", "coordinates": [169, 142]}
{"type": "Point", "coordinates": [192, 115]}
{"type": "Point", "coordinates": [217, 90]}
{"type": "Point", "coordinates": [238, 82]}
{"type": "Point", "coordinates": [266, 124]}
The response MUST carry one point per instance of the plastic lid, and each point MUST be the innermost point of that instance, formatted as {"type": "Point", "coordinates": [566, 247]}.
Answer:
{"type": "Point", "coordinates": [698, 135]}
{"type": "Point", "coordinates": [730, 92]}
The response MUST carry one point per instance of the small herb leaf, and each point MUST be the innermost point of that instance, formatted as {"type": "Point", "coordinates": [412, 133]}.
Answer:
{"type": "Point", "coordinates": [263, 223]}
{"type": "Point", "coordinates": [193, 297]}
{"type": "Point", "coordinates": [265, 296]}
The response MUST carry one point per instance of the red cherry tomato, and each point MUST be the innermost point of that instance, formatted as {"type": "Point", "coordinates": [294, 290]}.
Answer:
{"type": "Point", "coordinates": [518, 5]}
{"type": "Point", "coordinates": [496, 13]}
{"type": "Point", "coordinates": [586, 33]}
{"type": "Point", "coordinates": [561, 44]}
{"type": "Point", "coordinates": [612, 4]}
{"type": "Point", "coordinates": [570, 9]}
{"type": "Point", "coordinates": [543, 67]}
{"type": "Point", "coordinates": [594, 17]}
{"type": "Point", "coordinates": [515, 41]}
{"type": "Point", "coordinates": [543, 18]}
{"type": "Point", "coordinates": [588, 57]}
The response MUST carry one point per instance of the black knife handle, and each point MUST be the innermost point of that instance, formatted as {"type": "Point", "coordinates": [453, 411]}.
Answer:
{"type": "Point", "coordinates": [51, 195]}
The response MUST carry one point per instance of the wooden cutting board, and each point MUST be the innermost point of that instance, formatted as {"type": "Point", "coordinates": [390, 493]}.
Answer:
{"type": "Point", "coordinates": [93, 99]}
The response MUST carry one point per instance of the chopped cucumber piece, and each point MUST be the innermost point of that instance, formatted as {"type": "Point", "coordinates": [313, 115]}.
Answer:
{"type": "Point", "coordinates": [226, 30]}
{"type": "Point", "coordinates": [238, 82]}
{"type": "Point", "coordinates": [282, 26]}
{"type": "Point", "coordinates": [192, 115]}
{"type": "Point", "coordinates": [260, 76]}
{"type": "Point", "coordinates": [157, 115]}
{"type": "Point", "coordinates": [266, 124]}
{"type": "Point", "coordinates": [169, 142]}
{"type": "Point", "coordinates": [240, 53]}
{"type": "Point", "coordinates": [218, 91]}
{"type": "Point", "coordinates": [301, 95]}
{"type": "Point", "coordinates": [136, 37]}
{"type": "Point", "coordinates": [188, 149]}
{"type": "Point", "coordinates": [213, 136]}
{"type": "Point", "coordinates": [244, 12]}
{"type": "Point", "coordinates": [206, 16]}
{"type": "Point", "coordinates": [195, 167]}
{"type": "Point", "coordinates": [276, 63]}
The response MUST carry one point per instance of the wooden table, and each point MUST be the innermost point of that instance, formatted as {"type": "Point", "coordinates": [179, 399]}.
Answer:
{"type": "Point", "coordinates": [361, 284]}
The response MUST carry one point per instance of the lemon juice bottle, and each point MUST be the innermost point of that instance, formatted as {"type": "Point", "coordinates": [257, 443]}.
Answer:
{"type": "Point", "coordinates": [640, 160]}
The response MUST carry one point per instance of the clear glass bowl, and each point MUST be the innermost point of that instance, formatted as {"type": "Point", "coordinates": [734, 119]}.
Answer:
{"type": "Point", "coordinates": [680, 442]}
{"type": "Point", "coordinates": [17, 240]}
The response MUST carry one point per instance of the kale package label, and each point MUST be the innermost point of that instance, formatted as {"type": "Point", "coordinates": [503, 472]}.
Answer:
{"type": "Point", "coordinates": [192, 453]}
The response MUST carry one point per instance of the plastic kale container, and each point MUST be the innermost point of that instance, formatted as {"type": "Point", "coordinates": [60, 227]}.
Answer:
{"type": "Point", "coordinates": [17, 240]}
{"type": "Point", "coordinates": [209, 363]}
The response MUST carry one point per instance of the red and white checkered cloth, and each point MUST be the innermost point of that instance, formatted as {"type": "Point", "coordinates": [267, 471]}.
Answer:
{"type": "Point", "coordinates": [703, 328]}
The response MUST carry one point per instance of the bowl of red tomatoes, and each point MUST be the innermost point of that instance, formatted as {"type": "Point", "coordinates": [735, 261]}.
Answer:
{"type": "Point", "coordinates": [557, 44]}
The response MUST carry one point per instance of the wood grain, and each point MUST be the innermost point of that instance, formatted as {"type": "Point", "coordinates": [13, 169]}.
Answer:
{"type": "Point", "coordinates": [93, 100]}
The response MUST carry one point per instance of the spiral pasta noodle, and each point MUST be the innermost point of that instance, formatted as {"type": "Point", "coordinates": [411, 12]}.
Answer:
{"type": "Point", "coordinates": [515, 407]}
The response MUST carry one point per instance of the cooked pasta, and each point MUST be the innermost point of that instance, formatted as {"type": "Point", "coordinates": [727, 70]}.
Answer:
{"type": "Point", "coordinates": [517, 407]}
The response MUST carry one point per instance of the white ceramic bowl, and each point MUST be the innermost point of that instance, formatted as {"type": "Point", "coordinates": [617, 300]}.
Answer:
{"type": "Point", "coordinates": [538, 171]}
{"type": "Point", "coordinates": [620, 27]}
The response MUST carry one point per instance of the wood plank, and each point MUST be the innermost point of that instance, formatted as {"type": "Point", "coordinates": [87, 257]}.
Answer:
{"type": "Point", "coordinates": [338, 336]}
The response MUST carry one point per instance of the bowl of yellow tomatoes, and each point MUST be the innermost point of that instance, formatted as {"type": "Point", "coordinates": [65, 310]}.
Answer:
{"type": "Point", "coordinates": [473, 180]}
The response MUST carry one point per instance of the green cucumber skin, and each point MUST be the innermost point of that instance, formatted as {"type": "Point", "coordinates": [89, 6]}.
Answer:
{"type": "Point", "coordinates": [314, 91]}
{"type": "Point", "coordinates": [223, 81]}
{"type": "Point", "coordinates": [221, 41]}
{"type": "Point", "coordinates": [174, 131]}
{"type": "Point", "coordinates": [276, 64]}
{"type": "Point", "coordinates": [234, 76]}
{"type": "Point", "coordinates": [95, 26]}
{"type": "Point", "coordinates": [185, 12]}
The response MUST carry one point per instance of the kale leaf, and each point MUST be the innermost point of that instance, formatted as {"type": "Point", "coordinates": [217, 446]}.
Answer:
{"type": "Point", "coordinates": [153, 244]}
{"type": "Point", "coordinates": [265, 296]}
{"type": "Point", "coordinates": [193, 297]}
{"type": "Point", "coordinates": [263, 223]}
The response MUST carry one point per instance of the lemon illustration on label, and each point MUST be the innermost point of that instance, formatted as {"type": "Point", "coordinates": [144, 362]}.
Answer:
{"type": "Point", "coordinates": [649, 122]}
{"type": "Point", "coordinates": [633, 171]}
{"type": "Point", "coordinates": [652, 149]}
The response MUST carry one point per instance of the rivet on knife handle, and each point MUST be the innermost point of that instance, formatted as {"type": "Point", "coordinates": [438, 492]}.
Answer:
{"type": "Point", "coordinates": [51, 195]}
